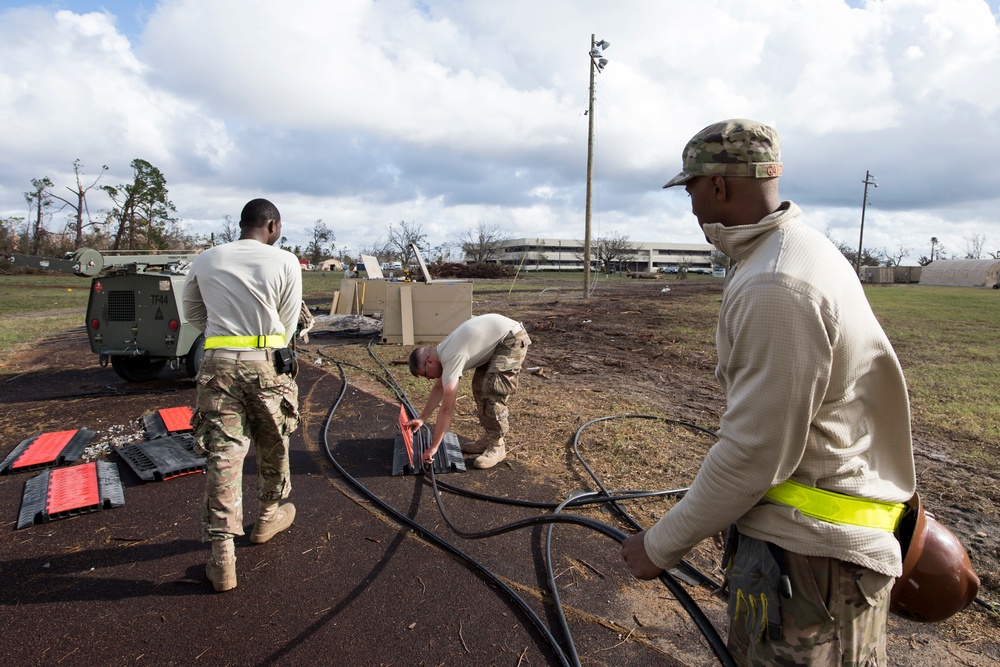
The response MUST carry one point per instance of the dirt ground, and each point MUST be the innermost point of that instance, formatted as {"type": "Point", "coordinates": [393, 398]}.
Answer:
{"type": "Point", "coordinates": [633, 349]}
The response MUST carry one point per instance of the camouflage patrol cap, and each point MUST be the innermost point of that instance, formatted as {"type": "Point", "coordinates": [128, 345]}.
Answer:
{"type": "Point", "coordinates": [736, 147]}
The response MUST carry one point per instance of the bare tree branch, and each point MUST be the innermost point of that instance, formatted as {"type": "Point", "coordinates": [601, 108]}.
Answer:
{"type": "Point", "coordinates": [614, 249]}
{"type": "Point", "coordinates": [483, 243]}
{"type": "Point", "coordinates": [402, 235]}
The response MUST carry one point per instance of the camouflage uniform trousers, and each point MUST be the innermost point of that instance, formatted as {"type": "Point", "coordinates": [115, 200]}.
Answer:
{"type": "Point", "coordinates": [837, 614]}
{"type": "Point", "coordinates": [240, 402]}
{"type": "Point", "coordinates": [496, 381]}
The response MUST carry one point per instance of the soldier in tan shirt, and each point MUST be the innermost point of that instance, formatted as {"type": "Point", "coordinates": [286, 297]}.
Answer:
{"type": "Point", "coordinates": [495, 346]}
{"type": "Point", "coordinates": [815, 401]}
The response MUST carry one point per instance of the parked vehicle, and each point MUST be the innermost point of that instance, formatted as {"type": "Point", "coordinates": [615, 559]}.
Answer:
{"type": "Point", "coordinates": [135, 315]}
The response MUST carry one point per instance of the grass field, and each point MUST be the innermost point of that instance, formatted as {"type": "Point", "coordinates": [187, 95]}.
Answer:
{"type": "Point", "coordinates": [32, 307]}
{"type": "Point", "coordinates": [946, 337]}
{"type": "Point", "coordinates": [947, 341]}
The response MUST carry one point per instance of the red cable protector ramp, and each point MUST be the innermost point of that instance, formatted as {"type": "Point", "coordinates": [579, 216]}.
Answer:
{"type": "Point", "coordinates": [61, 493]}
{"type": "Point", "coordinates": [406, 433]}
{"type": "Point", "coordinates": [168, 421]}
{"type": "Point", "coordinates": [47, 450]}
{"type": "Point", "coordinates": [409, 447]}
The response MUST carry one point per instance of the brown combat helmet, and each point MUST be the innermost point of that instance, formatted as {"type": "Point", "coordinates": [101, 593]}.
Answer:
{"type": "Point", "coordinates": [937, 580]}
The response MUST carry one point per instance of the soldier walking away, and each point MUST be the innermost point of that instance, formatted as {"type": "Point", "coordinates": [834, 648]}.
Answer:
{"type": "Point", "coordinates": [246, 296]}
{"type": "Point", "coordinates": [495, 346]}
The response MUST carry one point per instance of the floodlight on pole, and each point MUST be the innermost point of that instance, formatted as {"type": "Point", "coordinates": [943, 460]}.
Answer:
{"type": "Point", "coordinates": [597, 64]}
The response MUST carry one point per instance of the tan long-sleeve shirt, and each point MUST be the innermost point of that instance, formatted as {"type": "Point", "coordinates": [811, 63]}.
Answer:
{"type": "Point", "coordinates": [244, 288]}
{"type": "Point", "coordinates": [814, 392]}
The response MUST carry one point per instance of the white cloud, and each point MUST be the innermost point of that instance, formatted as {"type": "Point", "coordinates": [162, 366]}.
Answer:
{"type": "Point", "coordinates": [446, 113]}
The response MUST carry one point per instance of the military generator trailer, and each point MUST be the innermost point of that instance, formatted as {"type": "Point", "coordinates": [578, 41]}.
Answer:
{"type": "Point", "coordinates": [135, 314]}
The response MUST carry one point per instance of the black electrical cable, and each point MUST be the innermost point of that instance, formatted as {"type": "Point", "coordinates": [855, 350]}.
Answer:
{"type": "Point", "coordinates": [991, 606]}
{"type": "Point", "coordinates": [711, 635]}
{"type": "Point", "coordinates": [683, 565]}
{"type": "Point", "coordinates": [720, 650]}
{"type": "Point", "coordinates": [715, 642]}
{"type": "Point", "coordinates": [431, 537]}
{"type": "Point", "coordinates": [691, 607]}
{"type": "Point", "coordinates": [553, 585]}
{"type": "Point", "coordinates": [516, 502]}
{"type": "Point", "coordinates": [611, 498]}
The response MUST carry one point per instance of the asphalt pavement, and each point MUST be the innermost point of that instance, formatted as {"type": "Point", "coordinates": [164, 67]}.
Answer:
{"type": "Point", "coordinates": [345, 585]}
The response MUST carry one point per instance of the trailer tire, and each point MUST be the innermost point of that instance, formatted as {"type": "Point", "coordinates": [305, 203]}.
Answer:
{"type": "Point", "coordinates": [137, 369]}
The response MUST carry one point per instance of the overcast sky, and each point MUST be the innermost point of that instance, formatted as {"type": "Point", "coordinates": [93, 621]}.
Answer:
{"type": "Point", "coordinates": [447, 113]}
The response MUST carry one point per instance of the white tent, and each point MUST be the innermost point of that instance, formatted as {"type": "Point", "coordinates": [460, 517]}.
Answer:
{"type": "Point", "coordinates": [963, 272]}
{"type": "Point", "coordinates": [331, 265]}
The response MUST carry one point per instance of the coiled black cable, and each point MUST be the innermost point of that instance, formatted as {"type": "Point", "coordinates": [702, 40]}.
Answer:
{"type": "Point", "coordinates": [692, 608]}
{"type": "Point", "coordinates": [431, 537]}
{"type": "Point", "coordinates": [683, 565]}
{"type": "Point", "coordinates": [715, 642]}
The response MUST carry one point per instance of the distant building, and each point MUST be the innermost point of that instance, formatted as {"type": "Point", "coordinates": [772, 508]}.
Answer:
{"type": "Point", "coordinates": [965, 272]}
{"type": "Point", "coordinates": [890, 274]}
{"type": "Point", "coordinates": [537, 254]}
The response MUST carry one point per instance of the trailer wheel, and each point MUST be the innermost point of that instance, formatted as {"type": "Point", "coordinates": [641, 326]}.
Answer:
{"type": "Point", "coordinates": [137, 369]}
{"type": "Point", "coordinates": [192, 362]}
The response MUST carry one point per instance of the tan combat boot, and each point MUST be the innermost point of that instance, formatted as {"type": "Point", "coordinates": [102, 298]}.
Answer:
{"type": "Point", "coordinates": [477, 447]}
{"type": "Point", "coordinates": [493, 455]}
{"type": "Point", "coordinates": [272, 520]}
{"type": "Point", "coordinates": [221, 567]}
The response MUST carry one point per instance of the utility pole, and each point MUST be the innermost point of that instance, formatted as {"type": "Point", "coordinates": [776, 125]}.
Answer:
{"type": "Point", "coordinates": [590, 176]}
{"type": "Point", "coordinates": [869, 180]}
{"type": "Point", "coordinates": [597, 63]}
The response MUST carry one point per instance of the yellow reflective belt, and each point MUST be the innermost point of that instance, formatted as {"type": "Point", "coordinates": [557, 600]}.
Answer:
{"type": "Point", "coordinates": [272, 340]}
{"type": "Point", "coordinates": [837, 507]}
